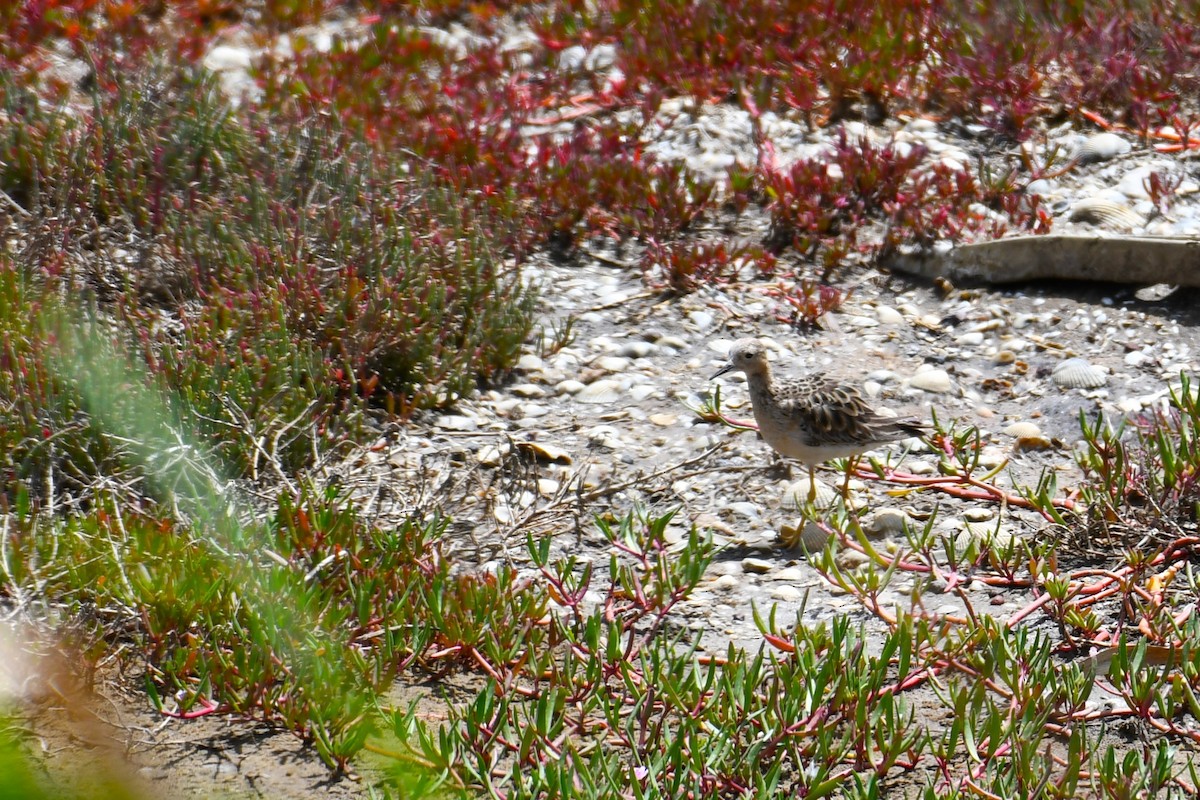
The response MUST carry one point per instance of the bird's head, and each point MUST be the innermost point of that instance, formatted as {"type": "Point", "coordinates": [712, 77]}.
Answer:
{"type": "Point", "coordinates": [746, 355]}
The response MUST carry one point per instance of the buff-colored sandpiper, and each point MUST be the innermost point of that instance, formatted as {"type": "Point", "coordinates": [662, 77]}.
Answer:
{"type": "Point", "coordinates": [812, 419]}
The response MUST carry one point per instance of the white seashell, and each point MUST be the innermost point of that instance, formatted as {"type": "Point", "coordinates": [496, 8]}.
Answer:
{"type": "Point", "coordinates": [1077, 373]}
{"type": "Point", "coordinates": [984, 534]}
{"type": "Point", "coordinates": [932, 380]}
{"type": "Point", "coordinates": [1023, 429]}
{"type": "Point", "coordinates": [528, 390]}
{"type": "Point", "coordinates": [531, 410]}
{"type": "Point", "coordinates": [503, 512]}
{"type": "Point", "coordinates": [545, 452]}
{"type": "Point", "coordinates": [1024, 443]}
{"type": "Point", "coordinates": [1136, 358]}
{"type": "Point", "coordinates": [756, 566]}
{"type": "Point", "coordinates": [530, 363]}
{"type": "Point", "coordinates": [795, 495]}
{"type": "Point", "coordinates": [793, 575]}
{"type": "Point", "coordinates": [886, 522]}
{"type": "Point", "coordinates": [786, 593]}
{"type": "Point", "coordinates": [971, 339]}
{"type": "Point", "coordinates": [636, 349]}
{"type": "Point", "coordinates": [601, 391]}
{"type": "Point", "coordinates": [703, 320]}
{"type": "Point", "coordinates": [888, 315]}
{"type": "Point", "coordinates": [808, 535]}
{"type": "Point", "coordinates": [491, 456]}
{"type": "Point", "coordinates": [1101, 147]}
{"type": "Point", "coordinates": [1133, 182]}
{"type": "Point", "coordinates": [726, 583]}
{"type": "Point", "coordinates": [676, 343]}
{"type": "Point", "coordinates": [991, 457]}
{"type": "Point", "coordinates": [642, 391]}
{"type": "Point", "coordinates": [456, 422]}
{"type": "Point", "coordinates": [1155, 292]}
{"type": "Point", "coordinates": [919, 467]}
{"type": "Point", "coordinates": [1041, 187]}
{"type": "Point", "coordinates": [1098, 211]}
{"type": "Point", "coordinates": [605, 436]}
{"type": "Point", "coordinates": [612, 363]}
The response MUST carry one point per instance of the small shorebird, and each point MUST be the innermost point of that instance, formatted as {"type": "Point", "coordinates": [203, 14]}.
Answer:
{"type": "Point", "coordinates": [812, 419]}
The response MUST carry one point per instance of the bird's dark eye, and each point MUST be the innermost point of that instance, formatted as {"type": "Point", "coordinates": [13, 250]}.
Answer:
{"type": "Point", "coordinates": [746, 356]}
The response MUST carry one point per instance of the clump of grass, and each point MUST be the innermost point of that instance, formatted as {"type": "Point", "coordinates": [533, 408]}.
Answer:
{"type": "Point", "coordinates": [300, 273]}
{"type": "Point", "coordinates": [291, 636]}
{"type": "Point", "coordinates": [1147, 483]}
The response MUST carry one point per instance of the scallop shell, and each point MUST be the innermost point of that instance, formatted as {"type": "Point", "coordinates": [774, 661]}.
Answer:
{"type": "Point", "coordinates": [601, 391]}
{"type": "Point", "coordinates": [809, 535]}
{"type": "Point", "coordinates": [1023, 429]}
{"type": "Point", "coordinates": [795, 495]}
{"type": "Point", "coordinates": [1101, 147]}
{"type": "Point", "coordinates": [887, 522]}
{"type": "Point", "coordinates": [1077, 373]}
{"type": "Point", "coordinates": [1098, 211]}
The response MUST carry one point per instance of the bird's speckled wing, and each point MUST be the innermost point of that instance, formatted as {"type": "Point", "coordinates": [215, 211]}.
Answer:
{"type": "Point", "coordinates": [835, 413]}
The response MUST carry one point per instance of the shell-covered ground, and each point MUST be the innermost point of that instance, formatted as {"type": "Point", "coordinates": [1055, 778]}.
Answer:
{"type": "Point", "coordinates": [610, 421]}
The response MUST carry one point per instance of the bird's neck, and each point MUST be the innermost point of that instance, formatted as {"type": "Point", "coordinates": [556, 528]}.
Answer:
{"type": "Point", "coordinates": [760, 382]}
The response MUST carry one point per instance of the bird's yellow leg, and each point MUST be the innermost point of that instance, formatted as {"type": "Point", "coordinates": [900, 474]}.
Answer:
{"type": "Point", "coordinates": [812, 483]}
{"type": "Point", "coordinates": [851, 466]}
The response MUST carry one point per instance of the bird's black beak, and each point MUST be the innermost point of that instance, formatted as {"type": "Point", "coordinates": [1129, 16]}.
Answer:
{"type": "Point", "coordinates": [721, 371]}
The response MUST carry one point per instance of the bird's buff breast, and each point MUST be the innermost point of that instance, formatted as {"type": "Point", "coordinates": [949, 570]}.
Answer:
{"type": "Point", "coordinates": [796, 441]}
